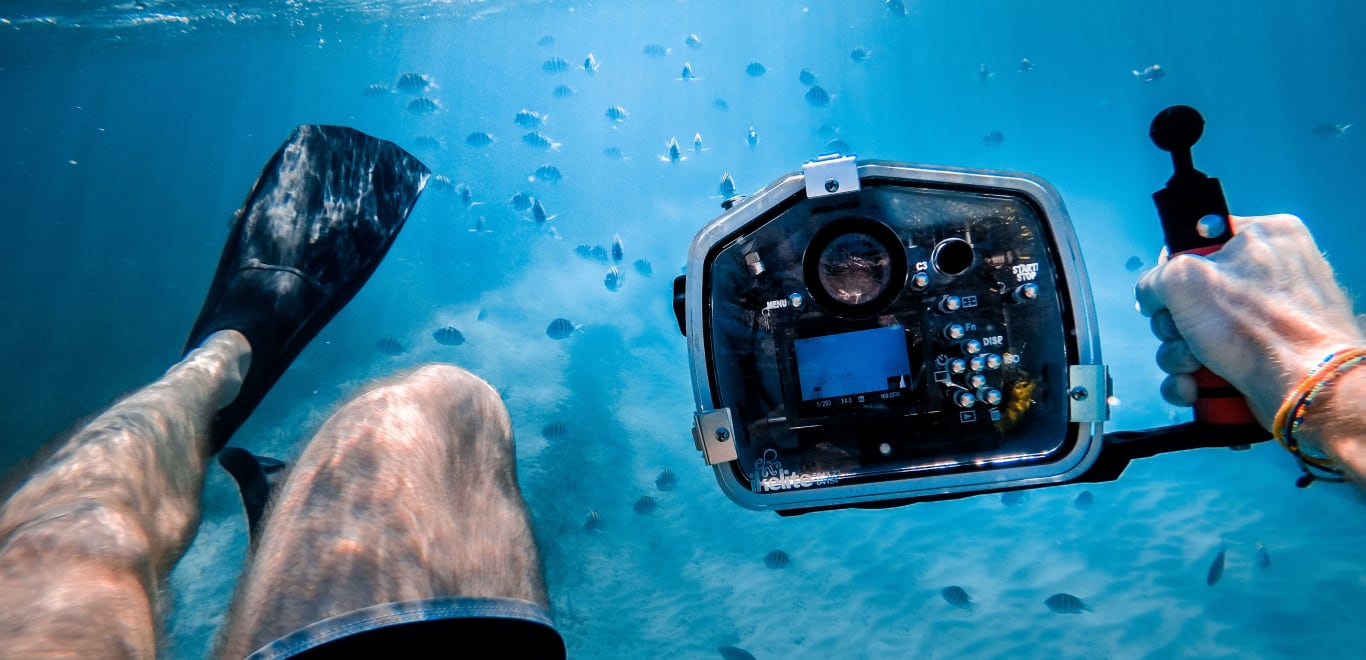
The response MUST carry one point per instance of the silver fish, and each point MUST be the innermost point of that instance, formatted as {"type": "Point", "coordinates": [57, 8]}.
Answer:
{"type": "Point", "coordinates": [1327, 130]}
{"type": "Point", "coordinates": [540, 140]}
{"type": "Point", "coordinates": [675, 154]}
{"type": "Point", "coordinates": [644, 268]}
{"type": "Point", "coordinates": [1263, 558]}
{"type": "Point", "coordinates": [1151, 73]}
{"type": "Point", "coordinates": [449, 336]}
{"type": "Point", "coordinates": [1064, 603]}
{"type": "Point", "coordinates": [777, 559]}
{"type": "Point", "coordinates": [555, 65]}
{"type": "Point", "coordinates": [618, 250]}
{"type": "Point", "coordinates": [529, 119]}
{"type": "Point", "coordinates": [479, 139]}
{"type": "Point", "coordinates": [1083, 501]}
{"type": "Point", "coordinates": [697, 143]}
{"type": "Point", "coordinates": [590, 64]}
{"type": "Point", "coordinates": [614, 279]}
{"type": "Point", "coordinates": [1216, 568]}
{"type": "Point", "coordinates": [693, 41]}
{"type": "Point", "coordinates": [563, 92]}
{"type": "Point", "coordinates": [755, 69]}
{"type": "Point", "coordinates": [1026, 66]}
{"type": "Point", "coordinates": [466, 195]}
{"type": "Point", "coordinates": [521, 201]}
{"type": "Point", "coordinates": [548, 174]}
{"type": "Point", "coordinates": [617, 114]}
{"type": "Point", "coordinates": [546, 41]}
{"type": "Point", "coordinates": [555, 430]}
{"type": "Point", "coordinates": [727, 188]}
{"type": "Point", "coordinates": [993, 138]}
{"type": "Point", "coordinates": [720, 104]}
{"type": "Point", "coordinates": [646, 505]}
{"type": "Point", "coordinates": [806, 77]}
{"type": "Point", "coordinates": [957, 597]}
{"type": "Point", "coordinates": [984, 74]}
{"type": "Point", "coordinates": [389, 346]}
{"type": "Point", "coordinates": [655, 50]}
{"type": "Point", "coordinates": [538, 212]}
{"type": "Point", "coordinates": [752, 138]}
{"type": "Point", "coordinates": [666, 480]}
{"type": "Point", "coordinates": [412, 83]}
{"type": "Point", "coordinates": [592, 522]}
{"type": "Point", "coordinates": [561, 328]}
{"type": "Point", "coordinates": [859, 54]}
{"type": "Point", "coordinates": [687, 73]}
{"type": "Point", "coordinates": [378, 89]}
{"type": "Point", "coordinates": [817, 96]}
{"type": "Point", "coordinates": [423, 106]}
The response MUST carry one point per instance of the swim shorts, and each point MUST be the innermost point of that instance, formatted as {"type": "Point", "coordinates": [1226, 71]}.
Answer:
{"type": "Point", "coordinates": [428, 628]}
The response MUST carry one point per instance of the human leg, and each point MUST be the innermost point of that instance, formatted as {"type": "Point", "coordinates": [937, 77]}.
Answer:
{"type": "Point", "coordinates": [408, 492]}
{"type": "Point", "coordinates": [86, 541]}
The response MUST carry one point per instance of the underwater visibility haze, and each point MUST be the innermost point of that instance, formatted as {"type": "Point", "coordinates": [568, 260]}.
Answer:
{"type": "Point", "coordinates": [577, 148]}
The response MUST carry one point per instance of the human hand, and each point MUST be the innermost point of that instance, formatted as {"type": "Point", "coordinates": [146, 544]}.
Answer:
{"type": "Point", "coordinates": [1260, 312]}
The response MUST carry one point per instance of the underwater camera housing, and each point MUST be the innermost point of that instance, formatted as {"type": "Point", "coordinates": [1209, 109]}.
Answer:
{"type": "Point", "coordinates": [883, 332]}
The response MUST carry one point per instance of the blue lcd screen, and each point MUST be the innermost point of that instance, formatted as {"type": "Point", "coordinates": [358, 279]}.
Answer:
{"type": "Point", "coordinates": [852, 363]}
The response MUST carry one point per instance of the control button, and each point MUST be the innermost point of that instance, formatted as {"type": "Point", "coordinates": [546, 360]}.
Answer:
{"type": "Point", "coordinates": [989, 395]}
{"type": "Point", "coordinates": [964, 399]}
{"type": "Point", "coordinates": [992, 360]}
{"type": "Point", "coordinates": [920, 280]}
{"type": "Point", "coordinates": [977, 363]}
{"type": "Point", "coordinates": [954, 331]}
{"type": "Point", "coordinates": [957, 366]}
{"type": "Point", "coordinates": [950, 304]}
{"type": "Point", "coordinates": [977, 381]}
{"type": "Point", "coordinates": [972, 347]}
{"type": "Point", "coordinates": [796, 300]}
{"type": "Point", "coordinates": [1026, 292]}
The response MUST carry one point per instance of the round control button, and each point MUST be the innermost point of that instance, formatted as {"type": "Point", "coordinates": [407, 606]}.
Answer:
{"type": "Point", "coordinates": [988, 395]}
{"type": "Point", "coordinates": [954, 331]}
{"type": "Point", "coordinates": [977, 381]}
{"type": "Point", "coordinates": [920, 280]}
{"type": "Point", "coordinates": [1026, 292]}
{"type": "Point", "coordinates": [972, 347]}
{"type": "Point", "coordinates": [950, 304]}
{"type": "Point", "coordinates": [964, 399]}
{"type": "Point", "coordinates": [957, 366]}
{"type": "Point", "coordinates": [993, 361]}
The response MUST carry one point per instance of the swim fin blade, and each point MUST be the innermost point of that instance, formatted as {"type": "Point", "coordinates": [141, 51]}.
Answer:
{"type": "Point", "coordinates": [319, 220]}
{"type": "Point", "coordinates": [256, 477]}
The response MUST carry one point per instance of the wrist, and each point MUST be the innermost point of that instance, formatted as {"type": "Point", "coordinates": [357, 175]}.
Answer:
{"type": "Point", "coordinates": [1335, 426]}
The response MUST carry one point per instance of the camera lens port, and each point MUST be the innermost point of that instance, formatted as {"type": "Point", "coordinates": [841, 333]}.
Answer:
{"type": "Point", "coordinates": [953, 256]}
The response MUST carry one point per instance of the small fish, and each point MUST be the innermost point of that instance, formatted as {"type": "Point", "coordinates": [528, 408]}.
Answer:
{"type": "Point", "coordinates": [646, 505]}
{"type": "Point", "coordinates": [618, 251]}
{"type": "Point", "coordinates": [1026, 66]}
{"type": "Point", "coordinates": [1263, 558]}
{"type": "Point", "coordinates": [666, 480]}
{"type": "Point", "coordinates": [993, 138]}
{"type": "Point", "coordinates": [590, 64]}
{"type": "Point", "coordinates": [1216, 568]}
{"type": "Point", "coordinates": [726, 189]}
{"type": "Point", "coordinates": [614, 279]}
{"type": "Point", "coordinates": [538, 212]}
{"type": "Point", "coordinates": [957, 597]}
{"type": "Point", "coordinates": [389, 346]}
{"type": "Point", "coordinates": [555, 430]}
{"type": "Point", "coordinates": [555, 65]}
{"type": "Point", "coordinates": [442, 183]}
{"type": "Point", "coordinates": [466, 196]}
{"type": "Point", "coordinates": [598, 253]}
{"type": "Point", "coordinates": [1327, 130]}
{"type": "Point", "coordinates": [529, 119]}
{"type": "Point", "coordinates": [777, 559]}
{"type": "Point", "coordinates": [448, 336]}
{"type": "Point", "coordinates": [479, 227]}
{"type": "Point", "coordinates": [547, 173]}
{"type": "Point", "coordinates": [540, 140]}
{"type": "Point", "coordinates": [613, 153]}
{"type": "Point", "coordinates": [378, 89]}
{"type": "Point", "coordinates": [817, 96]}
{"type": "Point", "coordinates": [560, 328]}
{"type": "Point", "coordinates": [423, 106]}
{"type": "Point", "coordinates": [720, 104]}
{"type": "Point", "coordinates": [687, 73]}
{"type": "Point", "coordinates": [1152, 73]}
{"type": "Point", "coordinates": [592, 522]}
{"type": "Point", "coordinates": [655, 50]}
{"type": "Point", "coordinates": [483, 314]}
{"type": "Point", "coordinates": [839, 145]}
{"type": "Point", "coordinates": [697, 143]}
{"type": "Point", "coordinates": [806, 77]}
{"type": "Point", "coordinates": [479, 139]}
{"type": "Point", "coordinates": [826, 130]}
{"type": "Point", "coordinates": [563, 92]}
{"type": "Point", "coordinates": [1133, 265]}
{"type": "Point", "coordinates": [693, 41]}
{"type": "Point", "coordinates": [617, 114]}
{"type": "Point", "coordinates": [896, 8]}
{"type": "Point", "coordinates": [643, 267]}
{"type": "Point", "coordinates": [752, 138]}
{"type": "Point", "coordinates": [859, 54]}
{"type": "Point", "coordinates": [1014, 497]}
{"type": "Point", "coordinates": [984, 74]}
{"type": "Point", "coordinates": [546, 41]}
{"type": "Point", "coordinates": [755, 69]}
{"type": "Point", "coordinates": [675, 154]}
{"type": "Point", "coordinates": [734, 653]}
{"type": "Point", "coordinates": [1083, 501]}
{"type": "Point", "coordinates": [1066, 604]}
{"type": "Point", "coordinates": [521, 201]}
{"type": "Point", "coordinates": [412, 83]}
{"type": "Point", "coordinates": [426, 142]}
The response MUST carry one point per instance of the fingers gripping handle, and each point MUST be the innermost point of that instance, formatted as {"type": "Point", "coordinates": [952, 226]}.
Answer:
{"type": "Point", "coordinates": [1194, 217]}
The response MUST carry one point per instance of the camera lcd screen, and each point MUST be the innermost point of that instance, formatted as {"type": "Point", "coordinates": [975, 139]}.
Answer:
{"type": "Point", "coordinates": [851, 367]}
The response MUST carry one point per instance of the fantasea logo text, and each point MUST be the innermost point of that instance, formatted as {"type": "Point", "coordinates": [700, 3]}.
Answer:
{"type": "Point", "coordinates": [771, 475]}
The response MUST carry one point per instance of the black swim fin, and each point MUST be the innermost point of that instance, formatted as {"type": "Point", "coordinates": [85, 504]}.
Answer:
{"type": "Point", "coordinates": [316, 225]}
{"type": "Point", "coordinates": [256, 477]}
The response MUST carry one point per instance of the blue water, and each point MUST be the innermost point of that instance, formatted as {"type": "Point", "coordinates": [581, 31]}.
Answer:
{"type": "Point", "coordinates": [131, 132]}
